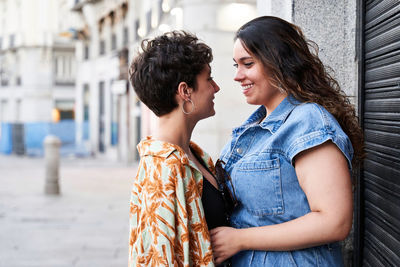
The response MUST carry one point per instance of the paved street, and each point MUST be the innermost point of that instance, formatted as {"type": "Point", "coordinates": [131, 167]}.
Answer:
{"type": "Point", "coordinates": [86, 225]}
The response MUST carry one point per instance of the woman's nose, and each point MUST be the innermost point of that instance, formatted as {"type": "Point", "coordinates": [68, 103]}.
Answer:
{"type": "Point", "coordinates": [238, 75]}
{"type": "Point", "coordinates": [216, 87]}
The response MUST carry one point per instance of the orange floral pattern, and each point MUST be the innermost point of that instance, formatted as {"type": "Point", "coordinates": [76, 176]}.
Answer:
{"type": "Point", "coordinates": [167, 223]}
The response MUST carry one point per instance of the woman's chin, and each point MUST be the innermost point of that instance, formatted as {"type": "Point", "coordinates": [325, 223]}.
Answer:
{"type": "Point", "coordinates": [251, 101]}
{"type": "Point", "coordinates": [211, 114]}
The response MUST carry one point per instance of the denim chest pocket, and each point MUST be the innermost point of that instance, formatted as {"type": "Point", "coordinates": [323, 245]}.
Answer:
{"type": "Point", "coordinates": [259, 187]}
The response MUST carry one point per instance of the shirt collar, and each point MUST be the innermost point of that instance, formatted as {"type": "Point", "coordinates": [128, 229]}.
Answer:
{"type": "Point", "coordinates": [152, 147]}
{"type": "Point", "coordinates": [157, 148]}
{"type": "Point", "coordinates": [274, 120]}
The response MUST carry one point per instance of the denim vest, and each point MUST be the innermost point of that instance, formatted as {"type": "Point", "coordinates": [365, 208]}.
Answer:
{"type": "Point", "coordinates": [259, 159]}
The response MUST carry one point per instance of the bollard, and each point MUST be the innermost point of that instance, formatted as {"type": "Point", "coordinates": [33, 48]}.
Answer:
{"type": "Point", "coordinates": [52, 161]}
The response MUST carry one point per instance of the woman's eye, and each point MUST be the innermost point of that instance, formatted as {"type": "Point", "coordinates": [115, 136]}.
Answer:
{"type": "Point", "coordinates": [248, 64]}
{"type": "Point", "coordinates": [235, 65]}
{"type": "Point", "coordinates": [211, 78]}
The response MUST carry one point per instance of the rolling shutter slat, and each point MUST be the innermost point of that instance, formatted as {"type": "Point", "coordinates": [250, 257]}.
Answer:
{"type": "Point", "coordinates": [381, 121]}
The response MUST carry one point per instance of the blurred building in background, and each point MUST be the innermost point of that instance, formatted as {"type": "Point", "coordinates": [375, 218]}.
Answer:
{"type": "Point", "coordinates": [103, 100]}
{"type": "Point", "coordinates": [110, 120]}
{"type": "Point", "coordinates": [37, 75]}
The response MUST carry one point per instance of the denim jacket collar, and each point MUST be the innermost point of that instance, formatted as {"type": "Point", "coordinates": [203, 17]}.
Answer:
{"type": "Point", "coordinates": [274, 120]}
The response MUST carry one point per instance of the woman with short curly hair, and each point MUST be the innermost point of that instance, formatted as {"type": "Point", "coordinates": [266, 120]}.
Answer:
{"type": "Point", "coordinates": [175, 196]}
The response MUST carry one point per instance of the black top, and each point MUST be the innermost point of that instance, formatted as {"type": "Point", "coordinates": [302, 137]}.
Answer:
{"type": "Point", "coordinates": [214, 207]}
{"type": "Point", "coordinates": [213, 202]}
{"type": "Point", "coordinates": [214, 210]}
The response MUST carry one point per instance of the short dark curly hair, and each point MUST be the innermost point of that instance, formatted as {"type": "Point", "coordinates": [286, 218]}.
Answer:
{"type": "Point", "coordinates": [165, 61]}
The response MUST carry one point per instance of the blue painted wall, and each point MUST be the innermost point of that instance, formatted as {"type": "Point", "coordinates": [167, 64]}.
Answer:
{"type": "Point", "coordinates": [34, 134]}
{"type": "Point", "coordinates": [6, 138]}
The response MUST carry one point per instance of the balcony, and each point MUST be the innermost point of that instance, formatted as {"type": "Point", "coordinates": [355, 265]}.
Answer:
{"type": "Point", "coordinates": [77, 5]}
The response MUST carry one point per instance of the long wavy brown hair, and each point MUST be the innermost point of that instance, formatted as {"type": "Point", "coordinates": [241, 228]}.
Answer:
{"type": "Point", "coordinates": [294, 66]}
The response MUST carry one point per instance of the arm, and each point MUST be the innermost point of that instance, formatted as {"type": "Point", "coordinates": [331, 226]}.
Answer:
{"type": "Point", "coordinates": [155, 215]}
{"type": "Point", "coordinates": [167, 227]}
{"type": "Point", "coordinates": [325, 179]}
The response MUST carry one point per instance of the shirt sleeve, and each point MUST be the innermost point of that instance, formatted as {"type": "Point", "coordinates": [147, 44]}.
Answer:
{"type": "Point", "coordinates": [311, 125]}
{"type": "Point", "coordinates": [162, 216]}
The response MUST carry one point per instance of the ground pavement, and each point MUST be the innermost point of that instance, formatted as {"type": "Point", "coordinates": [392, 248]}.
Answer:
{"type": "Point", "coordinates": [85, 226]}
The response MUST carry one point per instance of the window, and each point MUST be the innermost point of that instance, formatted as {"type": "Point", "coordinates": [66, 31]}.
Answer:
{"type": "Point", "coordinates": [12, 40]}
{"type": "Point", "coordinates": [65, 66]}
{"type": "Point", "coordinates": [114, 120]}
{"type": "Point", "coordinates": [102, 47]}
{"type": "Point", "coordinates": [3, 110]}
{"type": "Point", "coordinates": [160, 11]}
{"type": "Point", "coordinates": [86, 101]}
{"type": "Point", "coordinates": [136, 28]}
{"type": "Point", "coordinates": [86, 52]}
{"type": "Point", "coordinates": [126, 36]}
{"type": "Point", "coordinates": [148, 21]}
{"type": "Point", "coordinates": [17, 111]}
{"type": "Point", "coordinates": [4, 79]}
{"type": "Point", "coordinates": [64, 69]}
{"type": "Point", "coordinates": [65, 109]}
{"type": "Point", "coordinates": [3, 75]}
{"type": "Point", "coordinates": [113, 41]}
{"type": "Point", "coordinates": [86, 106]}
{"type": "Point", "coordinates": [56, 66]}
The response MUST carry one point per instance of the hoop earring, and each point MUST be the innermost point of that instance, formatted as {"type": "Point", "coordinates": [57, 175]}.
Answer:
{"type": "Point", "coordinates": [183, 106]}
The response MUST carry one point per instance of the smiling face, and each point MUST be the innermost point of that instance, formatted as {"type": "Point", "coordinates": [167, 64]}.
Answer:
{"type": "Point", "coordinates": [203, 96]}
{"type": "Point", "coordinates": [253, 78]}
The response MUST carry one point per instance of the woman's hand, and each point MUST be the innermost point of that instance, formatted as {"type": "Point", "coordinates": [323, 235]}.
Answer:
{"type": "Point", "coordinates": [225, 243]}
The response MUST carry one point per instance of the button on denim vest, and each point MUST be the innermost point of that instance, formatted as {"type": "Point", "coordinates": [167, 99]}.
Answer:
{"type": "Point", "coordinates": [259, 158]}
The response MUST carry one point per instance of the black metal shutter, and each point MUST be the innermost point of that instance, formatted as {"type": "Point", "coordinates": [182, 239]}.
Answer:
{"type": "Point", "coordinates": [380, 96]}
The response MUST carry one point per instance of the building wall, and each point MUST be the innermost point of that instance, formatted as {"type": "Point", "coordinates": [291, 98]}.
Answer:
{"type": "Point", "coordinates": [105, 32]}
{"type": "Point", "coordinates": [332, 25]}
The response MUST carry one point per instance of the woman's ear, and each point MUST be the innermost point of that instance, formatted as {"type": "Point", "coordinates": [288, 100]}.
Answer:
{"type": "Point", "coordinates": [184, 91]}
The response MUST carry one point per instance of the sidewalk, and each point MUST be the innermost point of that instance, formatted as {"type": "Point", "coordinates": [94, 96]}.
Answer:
{"type": "Point", "coordinates": [86, 225]}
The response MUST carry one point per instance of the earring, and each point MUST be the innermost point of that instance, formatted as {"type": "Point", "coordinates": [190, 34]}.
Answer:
{"type": "Point", "coordinates": [183, 106]}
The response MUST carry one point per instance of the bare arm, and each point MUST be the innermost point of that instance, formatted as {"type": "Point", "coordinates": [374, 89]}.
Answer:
{"type": "Point", "coordinates": [325, 179]}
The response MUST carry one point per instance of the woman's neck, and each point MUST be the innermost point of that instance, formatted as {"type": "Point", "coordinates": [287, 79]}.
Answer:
{"type": "Point", "coordinates": [175, 129]}
{"type": "Point", "coordinates": [273, 103]}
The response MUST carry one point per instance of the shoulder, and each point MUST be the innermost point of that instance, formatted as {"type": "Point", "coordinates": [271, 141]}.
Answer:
{"type": "Point", "coordinates": [311, 118]}
{"type": "Point", "coordinates": [161, 151]}
{"type": "Point", "coordinates": [309, 113]}
{"type": "Point", "coordinates": [310, 125]}
{"type": "Point", "coordinates": [161, 158]}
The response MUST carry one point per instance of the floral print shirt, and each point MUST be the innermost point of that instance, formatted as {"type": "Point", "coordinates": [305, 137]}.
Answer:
{"type": "Point", "coordinates": [167, 223]}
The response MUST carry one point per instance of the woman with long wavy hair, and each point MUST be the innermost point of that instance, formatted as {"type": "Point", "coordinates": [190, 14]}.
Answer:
{"type": "Point", "coordinates": [290, 162]}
